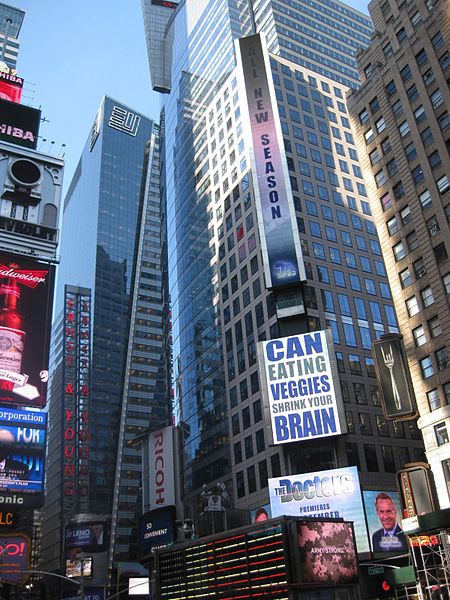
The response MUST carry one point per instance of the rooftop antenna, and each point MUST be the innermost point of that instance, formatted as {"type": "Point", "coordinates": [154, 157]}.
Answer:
{"type": "Point", "coordinates": [42, 141]}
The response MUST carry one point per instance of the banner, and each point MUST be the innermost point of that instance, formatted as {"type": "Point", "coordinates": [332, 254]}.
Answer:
{"type": "Point", "coordinates": [300, 376]}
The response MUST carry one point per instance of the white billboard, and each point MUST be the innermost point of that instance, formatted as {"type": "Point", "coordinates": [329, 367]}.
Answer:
{"type": "Point", "coordinates": [334, 494]}
{"type": "Point", "coordinates": [302, 388]}
{"type": "Point", "coordinates": [161, 468]}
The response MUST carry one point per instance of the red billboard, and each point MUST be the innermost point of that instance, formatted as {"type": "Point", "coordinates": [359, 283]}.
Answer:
{"type": "Point", "coordinates": [26, 298]}
{"type": "Point", "coordinates": [10, 86]}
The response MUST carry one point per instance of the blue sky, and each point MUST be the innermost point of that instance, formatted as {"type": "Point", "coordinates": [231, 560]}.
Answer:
{"type": "Point", "coordinates": [72, 54]}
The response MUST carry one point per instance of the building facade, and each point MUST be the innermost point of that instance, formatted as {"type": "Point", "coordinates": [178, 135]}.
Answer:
{"type": "Point", "coordinates": [221, 306]}
{"type": "Point", "coordinates": [11, 20]}
{"type": "Point", "coordinates": [401, 116]}
{"type": "Point", "coordinates": [111, 251]}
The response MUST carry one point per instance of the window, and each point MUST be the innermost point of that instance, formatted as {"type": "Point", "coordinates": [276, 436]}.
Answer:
{"type": "Point", "coordinates": [365, 425]}
{"type": "Point", "coordinates": [425, 199]}
{"type": "Point", "coordinates": [434, 159]}
{"type": "Point", "coordinates": [427, 136]}
{"type": "Point", "coordinates": [397, 108]}
{"type": "Point", "coordinates": [433, 226]}
{"type": "Point", "coordinates": [374, 156]}
{"type": "Point", "coordinates": [427, 297]}
{"type": "Point", "coordinates": [441, 358]}
{"type": "Point", "coordinates": [405, 73]}
{"type": "Point", "coordinates": [420, 115]}
{"type": "Point", "coordinates": [380, 178]}
{"type": "Point", "coordinates": [392, 226]}
{"type": "Point", "coordinates": [370, 454]}
{"type": "Point", "coordinates": [388, 459]}
{"type": "Point", "coordinates": [399, 251]}
{"type": "Point", "coordinates": [434, 401]}
{"type": "Point", "coordinates": [386, 201]}
{"type": "Point", "coordinates": [404, 128]}
{"type": "Point", "coordinates": [419, 336]}
{"type": "Point", "coordinates": [417, 174]}
{"type": "Point", "coordinates": [406, 215]}
{"type": "Point", "coordinates": [436, 98]}
{"type": "Point", "coordinates": [392, 167]}
{"type": "Point", "coordinates": [437, 40]}
{"type": "Point", "coordinates": [421, 57]}
{"type": "Point", "coordinates": [369, 136]}
{"type": "Point", "coordinates": [412, 241]}
{"type": "Point", "coordinates": [386, 145]}
{"type": "Point", "coordinates": [443, 184]}
{"type": "Point", "coordinates": [434, 327]}
{"type": "Point", "coordinates": [426, 366]}
{"type": "Point", "coordinates": [412, 306]}
{"type": "Point", "coordinates": [441, 433]}
{"type": "Point", "coordinates": [440, 253]}
{"type": "Point", "coordinates": [428, 77]}
{"type": "Point", "coordinates": [380, 125]}
{"type": "Point", "coordinates": [401, 34]}
{"type": "Point", "coordinates": [405, 278]}
{"type": "Point", "coordinates": [444, 121]}
{"type": "Point", "coordinates": [419, 268]}
{"type": "Point", "coordinates": [382, 426]}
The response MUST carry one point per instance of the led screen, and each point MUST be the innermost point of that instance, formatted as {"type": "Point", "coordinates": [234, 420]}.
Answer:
{"type": "Point", "coordinates": [79, 567]}
{"type": "Point", "coordinates": [90, 536]}
{"type": "Point", "coordinates": [384, 514]}
{"type": "Point", "coordinates": [327, 554]}
{"type": "Point", "coordinates": [19, 124]}
{"type": "Point", "coordinates": [15, 551]}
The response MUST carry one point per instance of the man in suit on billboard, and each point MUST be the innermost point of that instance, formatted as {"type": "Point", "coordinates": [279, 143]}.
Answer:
{"type": "Point", "coordinates": [390, 538]}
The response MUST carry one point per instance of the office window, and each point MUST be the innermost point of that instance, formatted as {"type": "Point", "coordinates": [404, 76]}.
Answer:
{"type": "Point", "coordinates": [443, 184]}
{"type": "Point", "coordinates": [375, 156]}
{"type": "Point", "coordinates": [260, 442]}
{"type": "Point", "coordinates": [370, 454]}
{"type": "Point", "coordinates": [412, 306]}
{"type": "Point", "coordinates": [397, 108]}
{"type": "Point", "coordinates": [419, 268]}
{"type": "Point", "coordinates": [412, 241]}
{"type": "Point", "coordinates": [425, 199]}
{"type": "Point", "coordinates": [386, 201]}
{"type": "Point", "coordinates": [240, 484]}
{"type": "Point", "coordinates": [399, 251]}
{"type": "Point", "coordinates": [434, 401]}
{"type": "Point", "coordinates": [412, 93]}
{"type": "Point", "coordinates": [405, 215]}
{"type": "Point", "coordinates": [404, 128]}
{"type": "Point", "coordinates": [398, 190]}
{"type": "Point", "coordinates": [263, 474]}
{"type": "Point", "coordinates": [436, 98]}
{"type": "Point", "coordinates": [351, 449]}
{"type": "Point", "coordinates": [444, 121]}
{"type": "Point", "coordinates": [434, 327]}
{"type": "Point", "coordinates": [434, 159]}
{"type": "Point", "coordinates": [365, 425]}
{"type": "Point", "coordinates": [369, 136]}
{"type": "Point", "coordinates": [427, 136]}
{"type": "Point", "coordinates": [405, 278]}
{"type": "Point", "coordinates": [441, 358]}
{"type": "Point", "coordinates": [440, 253]}
{"type": "Point", "coordinates": [382, 426]}
{"type": "Point", "coordinates": [441, 433]}
{"type": "Point", "coordinates": [417, 174]}
{"type": "Point", "coordinates": [433, 226]}
{"type": "Point", "coordinates": [405, 73]}
{"type": "Point", "coordinates": [427, 297]}
{"type": "Point", "coordinates": [401, 34]}
{"type": "Point", "coordinates": [380, 124]}
{"type": "Point", "coordinates": [237, 453]}
{"type": "Point", "coordinates": [392, 167]}
{"type": "Point", "coordinates": [390, 88]}
{"type": "Point", "coordinates": [387, 454]}
{"type": "Point", "coordinates": [426, 366]}
{"type": "Point", "coordinates": [421, 57]}
{"type": "Point", "coordinates": [419, 336]}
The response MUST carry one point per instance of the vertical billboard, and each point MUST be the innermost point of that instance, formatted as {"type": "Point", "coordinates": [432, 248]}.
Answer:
{"type": "Point", "coordinates": [280, 242]}
{"type": "Point", "coordinates": [334, 494]}
{"type": "Point", "coordinates": [301, 387]}
{"type": "Point", "coordinates": [26, 298]}
{"type": "Point", "coordinates": [159, 487]}
{"type": "Point", "coordinates": [76, 394]}
{"type": "Point", "coordinates": [393, 377]}
{"type": "Point", "coordinates": [327, 554]}
{"type": "Point", "coordinates": [22, 452]}
{"type": "Point", "coordinates": [384, 513]}
{"type": "Point", "coordinates": [15, 552]}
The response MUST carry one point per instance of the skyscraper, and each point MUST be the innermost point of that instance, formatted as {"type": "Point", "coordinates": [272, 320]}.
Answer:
{"type": "Point", "coordinates": [401, 115]}
{"type": "Point", "coordinates": [221, 306]}
{"type": "Point", "coordinates": [110, 268]}
{"type": "Point", "coordinates": [11, 19]}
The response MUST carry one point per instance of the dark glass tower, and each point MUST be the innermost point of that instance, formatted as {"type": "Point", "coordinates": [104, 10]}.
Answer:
{"type": "Point", "coordinates": [111, 245]}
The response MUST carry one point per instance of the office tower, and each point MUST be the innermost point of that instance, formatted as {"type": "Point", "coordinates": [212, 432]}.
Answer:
{"type": "Point", "coordinates": [10, 23]}
{"type": "Point", "coordinates": [221, 307]}
{"type": "Point", "coordinates": [401, 115]}
{"type": "Point", "coordinates": [109, 311]}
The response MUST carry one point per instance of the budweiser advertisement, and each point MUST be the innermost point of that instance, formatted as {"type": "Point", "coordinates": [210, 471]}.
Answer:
{"type": "Point", "coordinates": [26, 297]}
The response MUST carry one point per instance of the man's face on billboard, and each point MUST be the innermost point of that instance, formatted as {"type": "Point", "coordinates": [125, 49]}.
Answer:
{"type": "Point", "coordinates": [387, 513]}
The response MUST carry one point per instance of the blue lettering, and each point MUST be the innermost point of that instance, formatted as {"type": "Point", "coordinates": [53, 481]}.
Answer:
{"type": "Point", "coordinates": [271, 347]}
{"type": "Point", "coordinates": [324, 380]}
{"type": "Point", "coordinates": [281, 429]}
{"type": "Point", "coordinates": [276, 212]}
{"type": "Point", "coordinates": [328, 420]}
{"type": "Point", "coordinates": [271, 181]}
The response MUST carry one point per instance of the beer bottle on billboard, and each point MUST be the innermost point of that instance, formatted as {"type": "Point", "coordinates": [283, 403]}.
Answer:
{"type": "Point", "coordinates": [11, 334]}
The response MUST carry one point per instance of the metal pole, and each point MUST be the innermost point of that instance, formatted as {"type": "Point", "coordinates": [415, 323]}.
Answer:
{"type": "Point", "coordinates": [82, 579]}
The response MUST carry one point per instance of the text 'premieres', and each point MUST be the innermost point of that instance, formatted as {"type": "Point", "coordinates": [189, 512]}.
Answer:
{"type": "Point", "coordinates": [299, 385]}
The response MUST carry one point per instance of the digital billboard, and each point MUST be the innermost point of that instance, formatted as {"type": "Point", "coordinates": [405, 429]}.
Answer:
{"type": "Point", "coordinates": [327, 554]}
{"type": "Point", "coordinates": [26, 298]}
{"type": "Point", "coordinates": [79, 567]}
{"type": "Point", "coordinates": [384, 514]}
{"type": "Point", "coordinates": [86, 536]}
{"type": "Point", "coordinates": [280, 242]}
{"type": "Point", "coordinates": [15, 551]}
{"type": "Point", "coordinates": [156, 530]}
{"type": "Point", "coordinates": [334, 494]}
{"type": "Point", "coordinates": [10, 83]}
{"type": "Point", "coordinates": [22, 451]}
{"type": "Point", "coordinates": [19, 124]}
{"type": "Point", "coordinates": [397, 394]}
{"type": "Point", "coordinates": [262, 513]}
{"type": "Point", "coordinates": [301, 386]}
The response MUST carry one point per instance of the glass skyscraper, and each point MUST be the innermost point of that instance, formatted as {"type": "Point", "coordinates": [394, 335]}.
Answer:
{"type": "Point", "coordinates": [220, 305]}
{"type": "Point", "coordinates": [111, 246]}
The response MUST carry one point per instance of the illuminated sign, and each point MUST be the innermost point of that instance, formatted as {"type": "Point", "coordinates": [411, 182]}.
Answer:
{"type": "Point", "coordinates": [327, 554]}
{"type": "Point", "coordinates": [300, 375]}
{"type": "Point", "coordinates": [19, 124]}
{"type": "Point", "coordinates": [330, 494]}
{"type": "Point", "coordinates": [76, 406]}
{"type": "Point", "coordinates": [15, 552]}
{"type": "Point", "coordinates": [22, 450]}
{"type": "Point", "coordinates": [26, 297]}
{"type": "Point", "coordinates": [384, 512]}
{"type": "Point", "coordinates": [80, 567]}
{"type": "Point", "coordinates": [91, 536]}
{"type": "Point", "coordinates": [280, 242]}
{"type": "Point", "coordinates": [164, 3]}
{"type": "Point", "coordinates": [10, 83]}
{"type": "Point", "coordinates": [156, 530]}
{"type": "Point", "coordinates": [240, 564]}
{"type": "Point", "coordinates": [393, 377]}
{"type": "Point", "coordinates": [161, 468]}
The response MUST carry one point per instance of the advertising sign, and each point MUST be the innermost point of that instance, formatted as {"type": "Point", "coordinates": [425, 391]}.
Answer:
{"type": "Point", "coordinates": [262, 513]}
{"type": "Point", "coordinates": [22, 450]}
{"type": "Point", "coordinates": [10, 83]}
{"type": "Point", "coordinates": [302, 387]}
{"type": "Point", "coordinates": [90, 593]}
{"type": "Point", "coordinates": [327, 554]}
{"type": "Point", "coordinates": [80, 567]}
{"type": "Point", "coordinates": [139, 586]}
{"type": "Point", "coordinates": [26, 297]}
{"type": "Point", "coordinates": [86, 536]}
{"type": "Point", "coordinates": [19, 124]}
{"type": "Point", "coordinates": [393, 377]}
{"type": "Point", "coordinates": [156, 530]}
{"type": "Point", "coordinates": [160, 457]}
{"type": "Point", "coordinates": [280, 242]}
{"type": "Point", "coordinates": [330, 494]}
{"type": "Point", "coordinates": [384, 513]}
{"type": "Point", "coordinates": [15, 552]}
